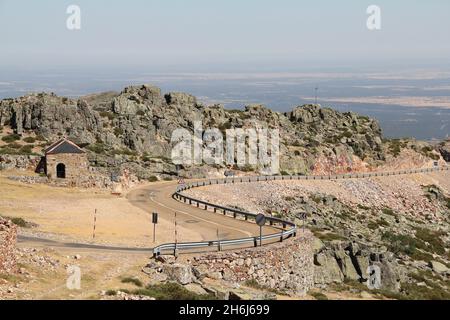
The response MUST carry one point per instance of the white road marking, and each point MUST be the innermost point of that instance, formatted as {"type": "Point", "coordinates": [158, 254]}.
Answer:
{"type": "Point", "coordinates": [196, 217]}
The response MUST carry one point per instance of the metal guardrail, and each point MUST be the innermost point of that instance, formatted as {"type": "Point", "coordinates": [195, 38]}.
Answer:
{"type": "Point", "coordinates": [289, 229]}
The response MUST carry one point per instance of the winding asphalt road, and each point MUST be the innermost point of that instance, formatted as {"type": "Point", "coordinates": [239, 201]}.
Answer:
{"type": "Point", "coordinates": [158, 197]}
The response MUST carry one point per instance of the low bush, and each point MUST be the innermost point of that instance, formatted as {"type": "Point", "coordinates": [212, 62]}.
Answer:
{"type": "Point", "coordinates": [96, 148]}
{"type": "Point", "coordinates": [11, 138]}
{"type": "Point", "coordinates": [29, 140]}
{"type": "Point", "coordinates": [171, 291]}
{"type": "Point", "coordinates": [133, 280]}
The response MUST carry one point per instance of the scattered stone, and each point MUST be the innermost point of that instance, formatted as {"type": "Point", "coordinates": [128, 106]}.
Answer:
{"type": "Point", "coordinates": [438, 267]}
{"type": "Point", "coordinates": [180, 273]}
{"type": "Point", "coordinates": [196, 288]}
{"type": "Point", "coordinates": [8, 238]}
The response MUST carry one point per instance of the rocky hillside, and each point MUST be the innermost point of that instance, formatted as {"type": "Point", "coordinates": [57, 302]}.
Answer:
{"type": "Point", "coordinates": [132, 130]}
{"type": "Point", "coordinates": [400, 223]}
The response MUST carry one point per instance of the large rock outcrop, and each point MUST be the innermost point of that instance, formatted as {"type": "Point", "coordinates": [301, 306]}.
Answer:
{"type": "Point", "coordinates": [136, 125]}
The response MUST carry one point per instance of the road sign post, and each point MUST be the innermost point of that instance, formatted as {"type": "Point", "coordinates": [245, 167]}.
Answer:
{"type": "Point", "coordinates": [155, 222]}
{"type": "Point", "coordinates": [303, 216]}
{"type": "Point", "coordinates": [260, 221]}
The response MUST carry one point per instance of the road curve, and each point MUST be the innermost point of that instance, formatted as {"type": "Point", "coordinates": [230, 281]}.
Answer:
{"type": "Point", "coordinates": [158, 197]}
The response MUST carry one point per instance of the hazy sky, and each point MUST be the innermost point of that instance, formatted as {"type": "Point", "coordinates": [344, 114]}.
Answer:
{"type": "Point", "coordinates": [266, 33]}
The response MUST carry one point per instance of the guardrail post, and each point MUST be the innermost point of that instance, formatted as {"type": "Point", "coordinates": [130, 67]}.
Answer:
{"type": "Point", "coordinates": [219, 246]}
{"type": "Point", "coordinates": [255, 242]}
{"type": "Point", "coordinates": [281, 238]}
{"type": "Point", "coordinates": [234, 215]}
{"type": "Point", "coordinates": [246, 217]}
{"type": "Point", "coordinates": [215, 210]}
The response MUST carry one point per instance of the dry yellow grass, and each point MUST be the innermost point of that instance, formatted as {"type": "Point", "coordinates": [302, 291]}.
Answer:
{"type": "Point", "coordinates": [68, 214]}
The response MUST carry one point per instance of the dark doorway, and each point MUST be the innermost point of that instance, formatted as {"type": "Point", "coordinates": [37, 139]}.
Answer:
{"type": "Point", "coordinates": [61, 171]}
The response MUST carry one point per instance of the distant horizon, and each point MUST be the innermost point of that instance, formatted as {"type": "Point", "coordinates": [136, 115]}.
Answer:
{"type": "Point", "coordinates": [240, 52]}
{"type": "Point", "coordinates": [238, 35]}
{"type": "Point", "coordinates": [414, 104]}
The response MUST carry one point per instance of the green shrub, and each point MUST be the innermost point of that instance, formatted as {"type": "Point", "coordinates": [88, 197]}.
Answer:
{"type": "Point", "coordinates": [126, 152]}
{"type": "Point", "coordinates": [374, 225]}
{"type": "Point", "coordinates": [399, 243]}
{"type": "Point", "coordinates": [18, 221]}
{"type": "Point", "coordinates": [96, 148]}
{"type": "Point", "coordinates": [247, 168]}
{"type": "Point", "coordinates": [382, 222]}
{"type": "Point", "coordinates": [318, 295]}
{"type": "Point", "coordinates": [225, 126]}
{"type": "Point", "coordinates": [27, 149]}
{"type": "Point", "coordinates": [347, 134]}
{"type": "Point", "coordinates": [171, 291]}
{"type": "Point", "coordinates": [316, 198]}
{"type": "Point", "coordinates": [153, 179]}
{"type": "Point", "coordinates": [328, 236]}
{"type": "Point", "coordinates": [413, 291]}
{"type": "Point", "coordinates": [389, 212]}
{"type": "Point", "coordinates": [433, 238]}
{"type": "Point", "coordinates": [111, 293]}
{"type": "Point", "coordinates": [40, 137]}
{"type": "Point", "coordinates": [29, 140]}
{"type": "Point", "coordinates": [132, 280]}
{"type": "Point", "coordinates": [360, 206]}
{"type": "Point", "coordinates": [107, 114]}
{"type": "Point", "coordinates": [11, 138]}
{"type": "Point", "coordinates": [396, 145]}
{"type": "Point", "coordinates": [118, 132]}
{"type": "Point", "coordinates": [14, 145]}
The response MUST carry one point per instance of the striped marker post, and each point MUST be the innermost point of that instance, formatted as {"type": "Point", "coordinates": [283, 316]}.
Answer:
{"type": "Point", "coordinates": [95, 222]}
{"type": "Point", "coordinates": [176, 236]}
